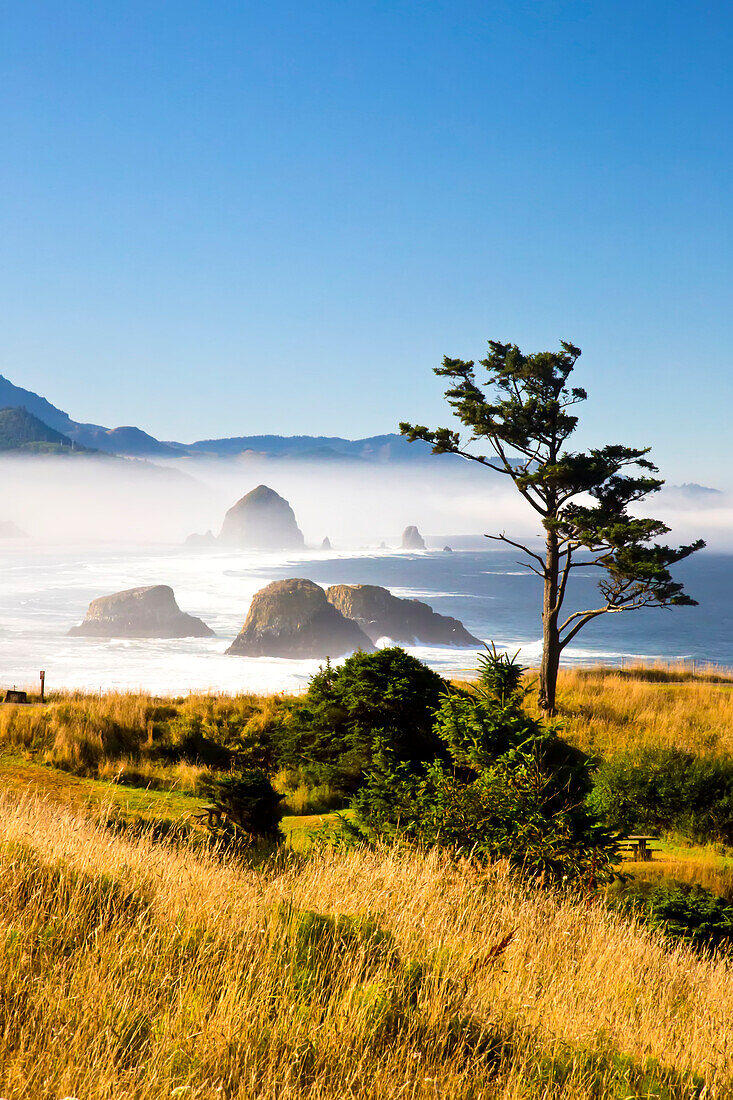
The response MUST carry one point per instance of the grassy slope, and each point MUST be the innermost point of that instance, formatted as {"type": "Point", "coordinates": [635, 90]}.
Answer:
{"type": "Point", "coordinates": [601, 710]}
{"type": "Point", "coordinates": [92, 797]}
{"type": "Point", "coordinates": [604, 711]}
{"type": "Point", "coordinates": [136, 970]}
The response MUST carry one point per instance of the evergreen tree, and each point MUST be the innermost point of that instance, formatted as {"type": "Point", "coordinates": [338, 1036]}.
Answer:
{"type": "Point", "coordinates": [523, 412]}
{"type": "Point", "coordinates": [348, 710]}
{"type": "Point", "coordinates": [505, 787]}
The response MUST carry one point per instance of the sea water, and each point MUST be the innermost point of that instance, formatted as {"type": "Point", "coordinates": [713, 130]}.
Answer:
{"type": "Point", "coordinates": [46, 590]}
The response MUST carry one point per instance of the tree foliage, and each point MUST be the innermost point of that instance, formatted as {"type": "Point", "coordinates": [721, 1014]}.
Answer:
{"type": "Point", "coordinates": [523, 412]}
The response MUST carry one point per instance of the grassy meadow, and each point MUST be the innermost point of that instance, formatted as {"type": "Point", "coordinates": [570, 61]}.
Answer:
{"type": "Point", "coordinates": [606, 710]}
{"type": "Point", "coordinates": [139, 963]}
{"type": "Point", "coordinates": [138, 969]}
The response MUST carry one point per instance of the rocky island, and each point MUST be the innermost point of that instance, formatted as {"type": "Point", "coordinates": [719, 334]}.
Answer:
{"type": "Point", "coordinates": [262, 520]}
{"type": "Point", "coordinates": [412, 539]}
{"type": "Point", "coordinates": [382, 615]}
{"type": "Point", "coordinates": [149, 612]}
{"type": "Point", "coordinates": [10, 530]}
{"type": "Point", "coordinates": [294, 619]}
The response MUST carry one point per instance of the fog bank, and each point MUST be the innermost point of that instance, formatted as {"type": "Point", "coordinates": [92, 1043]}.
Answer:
{"type": "Point", "coordinates": [107, 500]}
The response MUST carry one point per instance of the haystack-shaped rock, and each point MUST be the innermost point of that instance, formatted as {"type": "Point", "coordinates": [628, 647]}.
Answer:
{"type": "Point", "coordinates": [382, 615]}
{"type": "Point", "coordinates": [150, 612]}
{"type": "Point", "coordinates": [262, 520]}
{"type": "Point", "coordinates": [294, 619]}
{"type": "Point", "coordinates": [412, 539]}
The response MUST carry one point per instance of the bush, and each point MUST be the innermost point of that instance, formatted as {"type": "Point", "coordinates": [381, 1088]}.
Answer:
{"type": "Point", "coordinates": [667, 789]}
{"type": "Point", "coordinates": [506, 787]}
{"type": "Point", "coordinates": [683, 912]}
{"type": "Point", "coordinates": [347, 711]}
{"type": "Point", "coordinates": [244, 806]}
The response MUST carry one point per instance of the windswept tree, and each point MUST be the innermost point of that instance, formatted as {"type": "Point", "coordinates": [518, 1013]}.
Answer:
{"type": "Point", "coordinates": [521, 414]}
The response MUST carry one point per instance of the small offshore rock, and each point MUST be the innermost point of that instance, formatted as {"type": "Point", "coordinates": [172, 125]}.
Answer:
{"type": "Point", "coordinates": [10, 530]}
{"type": "Point", "coordinates": [149, 612]}
{"type": "Point", "coordinates": [201, 540]}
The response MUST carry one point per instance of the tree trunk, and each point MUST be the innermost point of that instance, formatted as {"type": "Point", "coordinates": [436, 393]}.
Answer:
{"type": "Point", "coordinates": [550, 633]}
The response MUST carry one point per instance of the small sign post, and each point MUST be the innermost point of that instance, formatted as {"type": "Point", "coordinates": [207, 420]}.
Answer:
{"type": "Point", "coordinates": [43, 686]}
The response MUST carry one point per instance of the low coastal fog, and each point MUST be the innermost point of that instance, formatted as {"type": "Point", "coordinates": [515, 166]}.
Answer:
{"type": "Point", "coordinates": [108, 500]}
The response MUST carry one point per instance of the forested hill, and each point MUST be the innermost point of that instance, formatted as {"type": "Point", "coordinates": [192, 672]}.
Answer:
{"type": "Point", "coordinates": [21, 431]}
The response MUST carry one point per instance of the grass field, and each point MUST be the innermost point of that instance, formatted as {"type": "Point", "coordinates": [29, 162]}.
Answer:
{"type": "Point", "coordinates": [137, 969]}
{"type": "Point", "coordinates": [607, 710]}
{"type": "Point", "coordinates": [133, 969]}
{"type": "Point", "coordinates": [104, 750]}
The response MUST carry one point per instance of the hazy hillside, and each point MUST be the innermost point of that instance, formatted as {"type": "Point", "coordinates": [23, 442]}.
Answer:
{"type": "Point", "coordinates": [16, 397]}
{"type": "Point", "coordinates": [21, 431]}
{"type": "Point", "coordinates": [130, 440]}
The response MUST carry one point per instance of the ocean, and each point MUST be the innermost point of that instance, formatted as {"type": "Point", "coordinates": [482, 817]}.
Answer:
{"type": "Point", "coordinates": [45, 591]}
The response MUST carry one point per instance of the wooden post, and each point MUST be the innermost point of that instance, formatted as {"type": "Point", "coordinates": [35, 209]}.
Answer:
{"type": "Point", "coordinates": [43, 686]}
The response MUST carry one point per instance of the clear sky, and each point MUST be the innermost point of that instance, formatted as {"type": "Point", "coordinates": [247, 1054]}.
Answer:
{"type": "Point", "coordinates": [222, 217]}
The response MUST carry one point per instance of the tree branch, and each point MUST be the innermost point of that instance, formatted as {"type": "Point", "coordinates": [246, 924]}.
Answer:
{"type": "Point", "coordinates": [519, 546]}
{"type": "Point", "coordinates": [610, 609]}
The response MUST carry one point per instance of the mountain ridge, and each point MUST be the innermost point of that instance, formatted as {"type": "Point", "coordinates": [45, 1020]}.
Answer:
{"type": "Point", "coordinates": [21, 431]}
{"type": "Point", "coordinates": [133, 441]}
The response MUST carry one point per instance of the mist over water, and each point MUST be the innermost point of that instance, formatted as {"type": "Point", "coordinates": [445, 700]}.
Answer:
{"type": "Point", "coordinates": [97, 526]}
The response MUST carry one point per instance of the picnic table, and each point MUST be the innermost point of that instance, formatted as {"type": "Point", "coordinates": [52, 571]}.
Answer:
{"type": "Point", "coordinates": [637, 848]}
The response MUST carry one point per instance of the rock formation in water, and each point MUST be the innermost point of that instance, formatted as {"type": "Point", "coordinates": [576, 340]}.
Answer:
{"type": "Point", "coordinates": [150, 612]}
{"type": "Point", "coordinates": [326, 544]}
{"type": "Point", "coordinates": [201, 540]}
{"type": "Point", "coordinates": [262, 520]}
{"type": "Point", "coordinates": [412, 539]}
{"type": "Point", "coordinates": [382, 615]}
{"type": "Point", "coordinates": [294, 619]}
{"type": "Point", "coordinates": [10, 530]}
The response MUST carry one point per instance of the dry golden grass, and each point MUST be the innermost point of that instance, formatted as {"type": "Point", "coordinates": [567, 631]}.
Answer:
{"type": "Point", "coordinates": [135, 970]}
{"type": "Point", "coordinates": [606, 710]}
{"type": "Point", "coordinates": [120, 733]}
{"type": "Point", "coordinates": [712, 872]}
{"type": "Point", "coordinates": [600, 709]}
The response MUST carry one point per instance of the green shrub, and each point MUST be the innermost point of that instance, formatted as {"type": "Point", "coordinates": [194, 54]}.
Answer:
{"type": "Point", "coordinates": [505, 787]}
{"type": "Point", "coordinates": [347, 711]}
{"type": "Point", "coordinates": [667, 789]}
{"type": "Point", "coordinates": [243, 806]}
{"type": "Point", "coordinates": [683, 912]}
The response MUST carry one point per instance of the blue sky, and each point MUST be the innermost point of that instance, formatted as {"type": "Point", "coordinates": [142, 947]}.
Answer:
{"type": "Point", "coordinates": [227, 218]}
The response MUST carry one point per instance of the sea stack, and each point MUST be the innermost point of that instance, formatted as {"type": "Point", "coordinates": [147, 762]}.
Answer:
{"type": "Point", "coordinates": [294, 619]}
{"type": "Point", "coordinates": [262, 520]}
{"type": "Point", "coordinates": [201, 540]}
{"type": "Point", "coordinates": [150, 612]}
{"type": "Point", "coordinates": [412, 539]}
{"type": "Point", "coordinates": [326, 544]}
{"type": "Point", "coordinates": [382, 615]}
{"type": "Point", "coordinates": [10, 530]}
